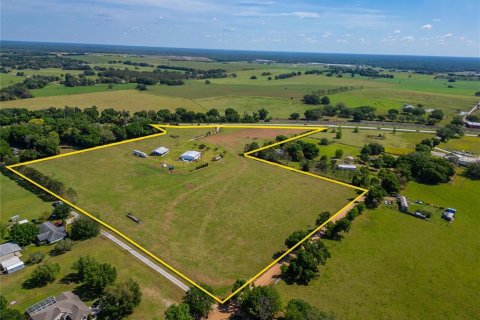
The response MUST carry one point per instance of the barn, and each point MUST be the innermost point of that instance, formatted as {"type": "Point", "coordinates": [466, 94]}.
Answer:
{"type": "Point", "coordinates": [190, 156]}
{"type": "Point", "coordinates": [161, 151]}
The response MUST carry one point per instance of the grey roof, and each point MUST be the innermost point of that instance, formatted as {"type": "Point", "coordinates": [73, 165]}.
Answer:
{"type": "Point", "coordinates": [68, 304]}
{"type": "Point", "coordinates": [8, 247]}
{"type": "Point", "coordinates": [50, 232]}
{"type": "Point", "coordinates": [161, 150]}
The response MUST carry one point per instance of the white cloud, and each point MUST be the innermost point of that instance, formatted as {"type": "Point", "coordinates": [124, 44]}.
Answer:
{"type": "Point", "coordinates": [446, 36]}
{"type": "Point", "coordinates": [304, 14]}
{"type": "Point", "coordinates": [326, 34]}
{"type": "Point", "coordinates": [362, 40]}
{"type": "Point", "coordinates": [426, 27]}
{"type": "Point", "coordinates": [341, 41]}
{"type": "Point", "coordinates": [436, 20]}
{"type": "Point", "coordinates": [408, 39]}
{"type": "Point", "coordinates": [396, 31]}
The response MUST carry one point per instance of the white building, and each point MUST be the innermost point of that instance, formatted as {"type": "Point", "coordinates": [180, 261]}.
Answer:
{"type": "Point", "coordinates": [347, 167]}
{"type": "Point", "coordinates": [190, 156]}
{"type": "Point", "coordinates": [161, 151]}
{"type": "Point", "coordinates": [12, 264]}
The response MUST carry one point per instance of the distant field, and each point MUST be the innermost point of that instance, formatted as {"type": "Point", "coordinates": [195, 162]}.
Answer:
{"type": "Point", "coordinates": [394, 266]}
{"type": "Point", "coordinates": [216, 224]}
{"type": "Point", "coordinates": [281, 97]}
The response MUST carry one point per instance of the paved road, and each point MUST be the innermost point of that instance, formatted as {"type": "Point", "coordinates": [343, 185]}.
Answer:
{"type": "Point", "coordinates": [146, 261]}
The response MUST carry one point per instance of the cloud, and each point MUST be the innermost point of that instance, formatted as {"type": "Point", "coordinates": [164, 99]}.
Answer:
{"type": "Point", "coordinates": [436, 20]}
{"type": "Point", "coordinates": [408, 39]}
{"type": "Point", "coordinates": [397, 31]}
{"type": "Point", "coordinates": [426, 27]}
{"type": "Point", "coordinates": [326, 34]}
{"type": "Point", "coordinates": [446, 36]}
{"type": "Point", "coordinates": [341, 40]}
{"type": "Point", "coordinates": [362, 40]}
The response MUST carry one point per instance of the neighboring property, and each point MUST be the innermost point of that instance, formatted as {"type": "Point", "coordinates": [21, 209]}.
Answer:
{"type": "Point", "coordinates": [67, 306]}
{"type": "Point", "coordinates": [190, 156]}
{"type": "Point", "coordinates": [449, 214]}
{"type": "Point", "coordinates": [50, 233]}
{"type": "Point", "coordinates": [403, 203]}
{"type": "Point", "coordinates": [347, 167]}
{"type": "Point", "coordinates": [9, 257]}
{"type": "Point", "coordinates": [407, 107]}
{"type": "Point", "coordinates": [161, 151]}
{"type": "Point", "coordinates": [140, 154]}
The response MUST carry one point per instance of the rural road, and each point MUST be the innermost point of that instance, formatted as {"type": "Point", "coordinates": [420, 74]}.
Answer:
{"type": "Point", "coordinates": [146, 261]}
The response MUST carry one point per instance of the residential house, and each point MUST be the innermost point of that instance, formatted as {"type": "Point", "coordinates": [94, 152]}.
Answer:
{"type": "Point", "coordinates": [67, 306]}
{"type": "Point", "coordinates": [50, 233]}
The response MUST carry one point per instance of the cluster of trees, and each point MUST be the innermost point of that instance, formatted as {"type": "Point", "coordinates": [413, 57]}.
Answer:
{"type": "Point", "coordinates": [22, 90]}
{"type": "Point", "coordinates": [473, 171]}
{"type": "Point", "coordinates": [94, 275]}
{"type": "Point", "coordinates": [80, 81]}
{"type": "Point", "coordinates": [296, 151]}
{"type": "Point", "coordinates": [288, 75]}
{"type": "Point", "coordinates": [453, 130]}
{"type": "Point", "coordinates": [340, 110]}
{"type": "Point", "coordinates": [54, 185]}
{"type": "Point", "coordinates": [112, 75]}
{"type": "Point", "coordinates": [192, 73]}
{"type": "Point", "coordinates": [37, 61]}
{"type": "Point", "coordinates": [7, 313]}
{"type": "Point", "coordinates": [416, 114]}
{"type": "Point", "coordinates": [340, 70]}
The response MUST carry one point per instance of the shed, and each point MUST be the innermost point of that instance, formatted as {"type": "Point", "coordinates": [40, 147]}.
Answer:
{"type": "Point", "coordinates": [347, 167]}
{"type": "Point", "coordinates": [190, 156]}
{"type": "Point", "coordinates": [449, 216]}
{"type": "Point", "coordinates": [161, 151]}
{"type": "Point", "coordinates": [12, 264]}
{"type": "Point", "coordinates": [50, 233]}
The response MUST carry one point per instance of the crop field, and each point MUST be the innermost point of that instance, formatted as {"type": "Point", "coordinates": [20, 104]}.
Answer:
{"type": "Point", "coordinates": [395, 266]}
{"type": "Point", "coordinates": [216, 224]}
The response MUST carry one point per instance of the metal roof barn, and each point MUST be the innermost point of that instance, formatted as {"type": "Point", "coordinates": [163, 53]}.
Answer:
{"type": "Point", "coordinates": [190, 156]}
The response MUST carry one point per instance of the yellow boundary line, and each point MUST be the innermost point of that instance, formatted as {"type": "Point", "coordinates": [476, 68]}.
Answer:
{"type": "Point", "coordinates": [312, 130]}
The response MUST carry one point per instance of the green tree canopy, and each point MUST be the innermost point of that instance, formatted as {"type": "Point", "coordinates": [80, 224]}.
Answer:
{"type": "Point", "coordinates": [23, 234]}
{"type": "Point", "coordinates": [261, 303]}
{"type": "Point", "coordinates": [120, 300]}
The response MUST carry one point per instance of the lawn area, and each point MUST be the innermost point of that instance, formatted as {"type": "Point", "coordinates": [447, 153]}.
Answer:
{"type": "Point", "coordinates": [55, 89]}
{"type": "Point", "coordinates": [16, 200]}
{"type": "Point", "coordinates": [216, 224]}
{"type": "Point", "coordinates": [394, 143]}
{"type": "Point", "coordinates": [157, 292]}
{"type": "Point", "coordinates": [471, 144]}
{"type": "Point", "coordinates": [394, 266]}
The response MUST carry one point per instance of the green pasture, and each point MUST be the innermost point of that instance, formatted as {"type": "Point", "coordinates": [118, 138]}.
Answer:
{"type": "Point", "coordinates": [395, 266]}
{"type": "Point", "coordinates": [216, 224]}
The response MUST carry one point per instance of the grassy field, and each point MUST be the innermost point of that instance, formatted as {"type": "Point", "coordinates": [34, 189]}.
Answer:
{"type": "Point", "coordinates": [16, 200]}
{"type": "Point", "coordinates": [205, 222]}
{"type": "Point", "coordinates": [395, 266]}
{"type": "Point", "coordinates": [157, 292]}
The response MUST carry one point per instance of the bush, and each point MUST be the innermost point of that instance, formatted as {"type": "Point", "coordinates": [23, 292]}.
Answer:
{"type": "Point", "coordinates": [473, 170]}
{"type": "Point", "coordinates": [62, 246]}
{"type": "Point", "coordinates": [35, 257]}
{"type": "Point", "coordinates": [44, 274]}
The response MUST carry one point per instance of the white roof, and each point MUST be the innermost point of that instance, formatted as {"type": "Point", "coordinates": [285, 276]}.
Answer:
{"type": "Point", "coordinates": [161, 150]}
{"type": "Point", "coordinates": [191, 154]}
{"type": "Point", "coordinates": [11, 263]}
{"type": "Point", "coordinates": [22, 221]}
{"type": "Point", "coordinates": [8, 247]}
{"type": "Point", "coordinates": [347, 166]}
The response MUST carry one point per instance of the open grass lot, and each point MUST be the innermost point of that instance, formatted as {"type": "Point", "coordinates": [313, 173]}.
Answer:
{"type": "Point", "coordinates": [471, 144]}
{"type": "Point", "coordinates": [394, 143]}
{"type": "Point", "coordinates": [216, 224]}
{"type": "Point", "coordinates": [157, 292]}
{"type": "Point", "coordinates": [16, 200]}
{"type": "Point", "coordinates": [395, 266]}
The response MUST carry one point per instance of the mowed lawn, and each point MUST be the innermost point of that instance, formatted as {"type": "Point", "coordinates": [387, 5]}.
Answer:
{"type": "Point", "coordinates": [394, 266]}
{"type": "Point", "coordinates": [157, 292]}
{"type": "Point", "coordinates": [217, 224]}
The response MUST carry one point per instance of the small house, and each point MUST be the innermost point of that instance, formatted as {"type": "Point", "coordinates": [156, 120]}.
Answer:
{"type": "Point", "coordinates": [161, 151]}
{"type": "Point", "coordinates": [190, 156]}
{"type": "Point", "coordinates": [50, 233]}
{"type": "Point", "coordinates": [139, 154]}
{"type": "Point", "coordinates": [346, 167]}
{"type": "Point", "coordinates": [403, 203]}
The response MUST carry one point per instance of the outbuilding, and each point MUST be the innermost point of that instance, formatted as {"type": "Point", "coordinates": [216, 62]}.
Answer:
{"type": "Point", "coordinates": [403, 203]}
{"type": "Point", "coordinates": [8, 250]}
{"type": "Point", "coordinates": [140, 154]}
{"type": "Point", "coordinates": [161, 151]}
{"type": "Point", "coordinates": [190, 156]}
{"type": "Point", "coordinates": [12, 264]}
{"type": "Point", "coordinates": [347, 167]}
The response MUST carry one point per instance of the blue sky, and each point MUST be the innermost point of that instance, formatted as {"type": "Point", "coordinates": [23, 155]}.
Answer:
{"type": "Point", "coordinates": [421, 27]}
